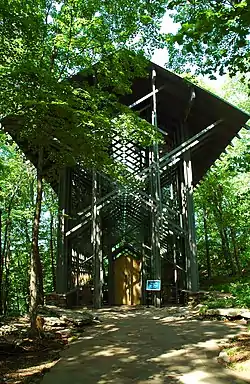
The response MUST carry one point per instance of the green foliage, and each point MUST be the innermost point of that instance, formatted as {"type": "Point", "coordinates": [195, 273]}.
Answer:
{"type": "Point", "coordinates": [17, 194]}
{"type": "Point", "coordinates": [44, 43]}
{"type": "Point", "coordinates": [16, 182]}
{"type": "Point", "coordinates": [51, 51]}
{"type": "Point", "coordinates": [240, 291]}
{"type": "Point", "coordinates": [222, 203]}
{"type": "Point", "coordinates": [213, 36]}
{"type": "Point", "coordinates": [213, 303]}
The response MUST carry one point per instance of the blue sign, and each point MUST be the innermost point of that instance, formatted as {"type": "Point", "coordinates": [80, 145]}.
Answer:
{"type": "Point", "coordinates": [153, 285]}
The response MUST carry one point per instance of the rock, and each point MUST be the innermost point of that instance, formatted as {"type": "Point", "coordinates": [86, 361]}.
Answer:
{"type": "Point", "coordinates": [246, 315]}
{"type": "Point", "coordinates": [49, 335]}
{"type": "Point", "coordinates": [54, 321]}
{"type": "Point", "coordinates": [79, 321]}
{"type": "Point", "coordinates": [229, 312]}
{"type": "Point", "coordinates": [97, 320]}
{"type": "Point", "coordinates": [242, 321]}
{"type": "Point", "coordinates": [199, 306]}
{"type": "Point", "coordinates": [223, 356]}
{"type": "Point", "coordinates": [8, 329]}
{"type": "Point", "coordinates": [61, 316]}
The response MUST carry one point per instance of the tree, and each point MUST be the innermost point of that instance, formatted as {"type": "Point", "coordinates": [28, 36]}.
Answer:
{"type": "Point", "coordinates": [223, 202]}
{"type": "Point", "coordinates": [213, 36]}
{"type": "Point", "coordinates": [18, 198]}
{"type": "Point", "coordinates": [16, 183]}
{"type": "Point", "coordinates": [43, 43]}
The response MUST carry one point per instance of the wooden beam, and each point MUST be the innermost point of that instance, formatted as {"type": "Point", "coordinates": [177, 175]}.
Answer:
{"type": "Point", "coordinates": [177, 153]}
{"type": "Point", "coordinates": [63, 251]}
{"type": "Point", "coordinates": [187, 218]}
{"type": "Point", "coordinates": [111, 286]}
{"type": "Point", "coordinates": [156, 194]}
{"type": "Point", "coordinates": [154, 91]}
{"type": "Point", "coordinates": [97, 245]}
{"type": "Point", "coordinates": [190, 243]}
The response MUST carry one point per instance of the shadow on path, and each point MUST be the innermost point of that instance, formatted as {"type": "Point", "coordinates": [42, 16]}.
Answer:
{"type": "Point", "coordinates": [146, 346]}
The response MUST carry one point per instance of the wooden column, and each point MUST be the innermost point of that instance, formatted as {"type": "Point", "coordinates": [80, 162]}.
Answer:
{"type": "Point", "coordinates": [97, 245]}
{"type": "Point", "coordinates": [111, 285]}
{"type": "Point", "coordinates": [156, 195]}
{"type": "Point", "coordinates": [143, 276]}
{"type": "Point", "coordinates": [63, 262]}
{"type": "Point", "coordinates": [190, 243]}
{"type": "Point", "coordinates": [146, 251]}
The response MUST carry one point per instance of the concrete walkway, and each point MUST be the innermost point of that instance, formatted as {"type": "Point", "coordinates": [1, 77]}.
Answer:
{"type": "Point", "coordinates": [146, 346]}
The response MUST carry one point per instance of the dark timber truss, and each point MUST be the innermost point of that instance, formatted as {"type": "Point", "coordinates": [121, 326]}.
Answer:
{"type": "Point", "coordinates": [152, 218]}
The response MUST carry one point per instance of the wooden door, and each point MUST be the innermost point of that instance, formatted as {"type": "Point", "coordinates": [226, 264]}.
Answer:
{"type": "Point", "coordinates": [127, 278]}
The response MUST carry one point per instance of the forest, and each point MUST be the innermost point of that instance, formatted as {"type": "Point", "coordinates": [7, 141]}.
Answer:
{"type": "Point", "coordinates": [65, 66]}
{"type": "Point", "coordinates": [42, 44]}
{"type": "Point", "coordinates": [222, 214]}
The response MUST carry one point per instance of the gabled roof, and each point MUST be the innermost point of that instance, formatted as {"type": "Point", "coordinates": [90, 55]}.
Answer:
{"type": "Point", "coordinates": [172, 105]}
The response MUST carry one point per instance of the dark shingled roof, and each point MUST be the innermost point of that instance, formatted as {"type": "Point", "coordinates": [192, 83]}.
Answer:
{"type": "Point", "coordinates": [172, 104]}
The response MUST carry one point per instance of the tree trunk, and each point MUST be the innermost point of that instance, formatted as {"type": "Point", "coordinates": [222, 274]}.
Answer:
{"type": "Point", "coordinates": [1, 265]}
{"type": "Point", "coordinates": [230, 256]}
{"type": "Point", "coordinates": [36, 286]}
{"type": "Point", "coordinates": [206, 243]}
{"type": "Point", "coordinates": [17, 301]}
{"type": "Point", "coordinates": [6, 281]}
{"type": "Point", "coordinates": [225, 249]}
{"type": "Point", "coordinates": [219, 218]}
{"type": "Point", "coordinates": [236, 251]}
{"type": "Point", "coordinates": [3, 251]}
{"type": "Point", "coordinates": [26, 288]}
{"type": "Point", "coordinates": [53, 271]}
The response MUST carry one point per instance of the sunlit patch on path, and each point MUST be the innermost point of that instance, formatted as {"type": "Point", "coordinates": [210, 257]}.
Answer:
{"type": "Point", "coordinates": [144, 345]}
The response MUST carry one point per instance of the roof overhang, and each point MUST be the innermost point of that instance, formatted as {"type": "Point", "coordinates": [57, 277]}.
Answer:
{"type": "Point", "coordinates": [173, 102]}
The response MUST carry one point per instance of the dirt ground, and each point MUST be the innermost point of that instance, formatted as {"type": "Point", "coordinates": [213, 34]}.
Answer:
{"type": "Point", "coordinates": [24, 357]}
{"type": "Point", "coordinates": [154, 346]}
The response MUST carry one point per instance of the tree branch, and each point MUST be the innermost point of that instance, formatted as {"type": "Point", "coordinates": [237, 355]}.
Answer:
{"type": "Point", "coordinates": [69, 44]}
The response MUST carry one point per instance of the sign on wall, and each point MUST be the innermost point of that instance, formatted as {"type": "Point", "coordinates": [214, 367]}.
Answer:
{"type": "Point", "coordinates": [153, 285]}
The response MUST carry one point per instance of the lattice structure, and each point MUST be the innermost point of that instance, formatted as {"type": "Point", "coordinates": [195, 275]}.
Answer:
{"type": "Point", "coordinates": [151, 219]}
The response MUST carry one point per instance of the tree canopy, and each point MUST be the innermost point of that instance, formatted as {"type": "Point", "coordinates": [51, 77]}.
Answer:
{"type": "Point", "coordinates": [213, 36]}
{"type": "Point", "coordinates": [62, 120]}
{"type": "Point", "coordinates": [72, 119]}
{"type": "Point", "coordinates": [43, 43]}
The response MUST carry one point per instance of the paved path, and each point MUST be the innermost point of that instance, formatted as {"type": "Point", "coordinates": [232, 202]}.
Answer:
{"type": "Point", "coordinates": [145, 346]}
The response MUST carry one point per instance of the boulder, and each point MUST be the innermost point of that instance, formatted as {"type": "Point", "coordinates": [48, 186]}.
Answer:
{"type": "Point", "coordinates": [56, 316]}
{"type": "Point", "coordinates": [223, 356]}
{"type": "Point", "coordinates": [53, 321]}
{"type": "Point", "coordinates": [246, 315]}
{"type": "Point", "coordinates": [229, 312]}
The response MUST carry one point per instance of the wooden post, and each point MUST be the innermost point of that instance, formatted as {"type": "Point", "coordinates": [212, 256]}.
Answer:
{"type": "Point", "coordinates": [97, 245]}
{"type": "Point", "coordinates": [63, 264]}
{"type": "Point", "coordinates": [175, 268]}
{"type": "Point", "coordinates": [143, 276]}
{"type": "Point", "coordinates": [209, 270]}
{"type": "Point", "coordinates": [190, 246]}
{"type": "Point", "coordinates": [1, 266]}
{"type": "Point", "coordinates": [156, 195]}
{"type": "Point", "coordinates": [111, 286]}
